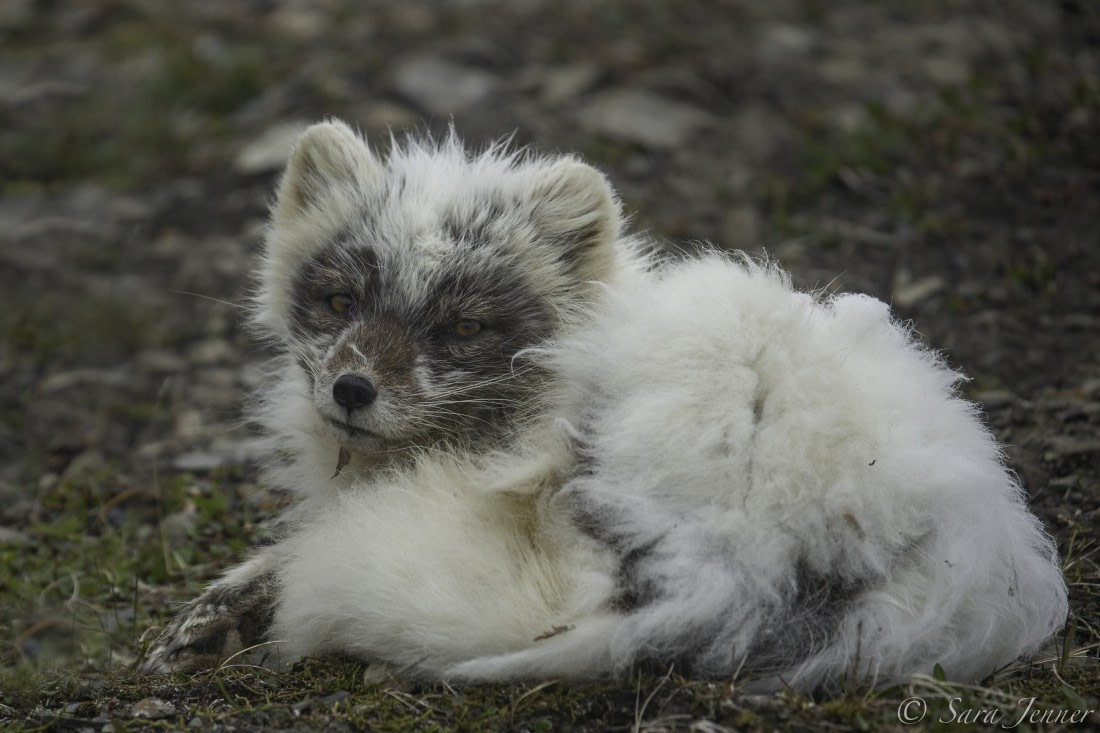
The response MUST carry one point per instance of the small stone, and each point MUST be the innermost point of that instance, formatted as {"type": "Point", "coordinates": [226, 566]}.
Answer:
{"type": "Point", "coordinates": [87, 463]}
{"type": "Point", "coordinates": [1075, 414]}
{"type": "Point", "coordinates": [270, 151]}
{"type": "Point", "coordinates": [995, 399]}
{"type": "Point", "coordinates": [847, 69]}
{"type": "Point", "coordinates": [908, 295]}
{"type": "Point", "coordinates": [1063, 446]}
{"type": "Point", "coordinates": [642, 117]}
{"type": "Point", "coordinates": [9, 536]}
{"type": "Point", "coordinates": [335, 697]}
{"type": "Point", "coordinates": [299, 22]}
{"type": "Point", "coordinates": [441, 87]}
{"type": "Point", "coordinates": [118, 377]}
{"type": "Point", "coordinates": [778, 40]}
{"type": "Point", "coordinates": [946, 71]}
{"type": "Point", "coordinates": [566, 83]}
{"type": "Point", "coordinates": [198, 462]}
{"type": "Point", "coordinates": [160, 361]}
{"type": "Point", "coordinates": [152, 708]}
{"type": "Point", "coordinates": [212, 351]}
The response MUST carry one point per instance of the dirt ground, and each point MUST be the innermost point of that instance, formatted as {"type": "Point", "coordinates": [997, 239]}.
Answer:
{"type": "Point", "coordinates": [939, 155]}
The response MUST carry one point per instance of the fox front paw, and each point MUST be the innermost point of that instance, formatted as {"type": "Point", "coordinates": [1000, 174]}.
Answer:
{"type": "Point", "coordinates": [199, 638]}
{"type": "Point", "coordinates": [221, 623]}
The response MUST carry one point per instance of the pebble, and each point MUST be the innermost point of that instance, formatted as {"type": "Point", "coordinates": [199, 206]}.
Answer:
{"type": "Point", "coordinates": [440, 87]}
{"type": "Point", "coordinates": [152, 708]}
{"type": "Point", "coordinates": [160, 361]}
{"type": "Point", "coordinates": [996, 399]}
{"type": "Point", "coordinates": [565, 83]}
{"type": "Point", "coordinates": [211, 351]}
{"type": "Point", "coordinates": [1062, 447]}
{"type": "Point", "coordinates": [198, 462]}
{"type": "Point", "coordinates": [782, 40]}
{"type": "Point", "coordinates": [270, 151]}
{"type": "Point", "coordinates": [909, 294]}
{"type": "Point", "coordinates": [225, 453]}
{"type": "Point", "coordinates": [61, 381]}
{"type": "Point", "coordinates": [9, 536]}
{"type": "Point", "coordinates": [642, 117]}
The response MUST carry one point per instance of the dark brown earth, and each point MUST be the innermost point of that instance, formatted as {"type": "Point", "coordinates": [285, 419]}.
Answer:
{"type": "Point", "coordinates": [942, 156]}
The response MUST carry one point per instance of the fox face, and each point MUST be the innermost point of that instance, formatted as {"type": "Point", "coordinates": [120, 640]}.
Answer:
{"type": "Point", "coordinates": [404, 290]}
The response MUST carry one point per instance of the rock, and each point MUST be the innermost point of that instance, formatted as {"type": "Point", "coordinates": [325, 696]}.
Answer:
{"type": "Point", "coordinates": [85, 465]}
{"type": "Point", "coordinates": [778, 41]}
{"type": "Point", "coordinates": [1062, 447]}
{"type": "Point", "coordinates": [227, 453]}
{"type": "Point", "coordinates": [995, 399]}
{"type": "Point", "coordinates": [565, 83]}
{"type": "Point", "coordinates": [909, 294]}
{"type": "Point", "coordinates": [9, 536]}
{"type": "Point", "coordinates": [160, 362]}
{"type": "Point", "coordinates": [299, 22]}
{"type": "Point", "coordinates": [152, 708]}
{"type": "Point", "coordinates": [198, 462]}
{"type": "Point", "coordinates": [440, 87]}
{"type": "Point", "coordinates": [338, 696]}
{"type": "Point", "coordinates": [946, 71]}
{"type": "Point", "coordinates": [211, 351]}
{"type": "Point", "coordinates": [270, 151]}
{"type": "Point", "coordinates": [61, 381]}
{"type": "Point", "coordinates": [642, 117]}
{"type": "Point", "coordinates": [1091, 388]}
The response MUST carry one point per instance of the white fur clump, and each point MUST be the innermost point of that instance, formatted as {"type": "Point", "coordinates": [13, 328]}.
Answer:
{"type": "Point", "coordinates": [807, 495]}
{"type": "Point", "coordinates": [713, 469]}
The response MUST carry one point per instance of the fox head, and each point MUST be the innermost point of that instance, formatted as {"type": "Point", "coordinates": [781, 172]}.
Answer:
{"type": "Point", "coordinates": [404, 288]}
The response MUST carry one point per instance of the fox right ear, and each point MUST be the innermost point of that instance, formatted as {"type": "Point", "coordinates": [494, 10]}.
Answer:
{"type": "Point", "coordinates": [329, 164]}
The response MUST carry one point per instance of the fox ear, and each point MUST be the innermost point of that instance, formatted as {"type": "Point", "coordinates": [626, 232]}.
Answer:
{"type": "Point", "coordinates": [329, 164]}
{"type": "Point", "coordinates": [576, 210]}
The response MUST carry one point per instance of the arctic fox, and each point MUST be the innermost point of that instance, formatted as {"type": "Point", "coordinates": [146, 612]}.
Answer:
{"type": "Point", "coordinates": [521, 448]}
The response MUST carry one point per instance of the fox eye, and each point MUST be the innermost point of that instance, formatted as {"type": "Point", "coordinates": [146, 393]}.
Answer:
{"type": "Point", "coordinates": [466, 328]}
{"type": "Point", "coordinates": [340, 302]}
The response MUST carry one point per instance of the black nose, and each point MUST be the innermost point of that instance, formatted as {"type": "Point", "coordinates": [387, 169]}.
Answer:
{"type": "Point", "coordinates": [352, 392]}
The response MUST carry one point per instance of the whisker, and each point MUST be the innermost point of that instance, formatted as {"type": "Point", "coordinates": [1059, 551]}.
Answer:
{"type": "Point", "coordinates": [208, 297]}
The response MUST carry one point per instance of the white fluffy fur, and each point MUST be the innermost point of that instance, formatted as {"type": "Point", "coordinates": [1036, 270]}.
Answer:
{"type": "Point", "coordinates": [757, 464]}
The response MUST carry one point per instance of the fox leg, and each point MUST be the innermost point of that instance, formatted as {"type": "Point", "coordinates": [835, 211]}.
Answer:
{"type": "Point", "coordinates": [233, 614]}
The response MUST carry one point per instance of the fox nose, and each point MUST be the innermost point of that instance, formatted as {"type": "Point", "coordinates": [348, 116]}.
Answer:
{"type": "Point", "coordinates": [353, 392]}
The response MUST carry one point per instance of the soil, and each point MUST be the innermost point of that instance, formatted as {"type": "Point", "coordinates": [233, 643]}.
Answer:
{"type": "Point", "coordinates": [938, 155]}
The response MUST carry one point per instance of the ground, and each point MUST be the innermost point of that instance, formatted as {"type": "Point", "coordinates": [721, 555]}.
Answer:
{"type": "Point", "coordinates": [939, 155]}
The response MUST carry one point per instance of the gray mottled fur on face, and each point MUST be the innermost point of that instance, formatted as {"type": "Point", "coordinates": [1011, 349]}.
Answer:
{"type": "Point", "coordinates": [430, 237]}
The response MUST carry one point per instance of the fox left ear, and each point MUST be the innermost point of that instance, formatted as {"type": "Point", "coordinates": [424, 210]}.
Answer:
{"type": "Point", "coordinates": [330, 173]}
{"type": "Point", "coordinates": [329, 164]}
{"type": "Point", "coordinates": [576, 210]}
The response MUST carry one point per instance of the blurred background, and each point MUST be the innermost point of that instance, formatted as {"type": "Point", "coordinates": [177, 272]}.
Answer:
{"type": "Point", "coordinates": [940, 155]}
